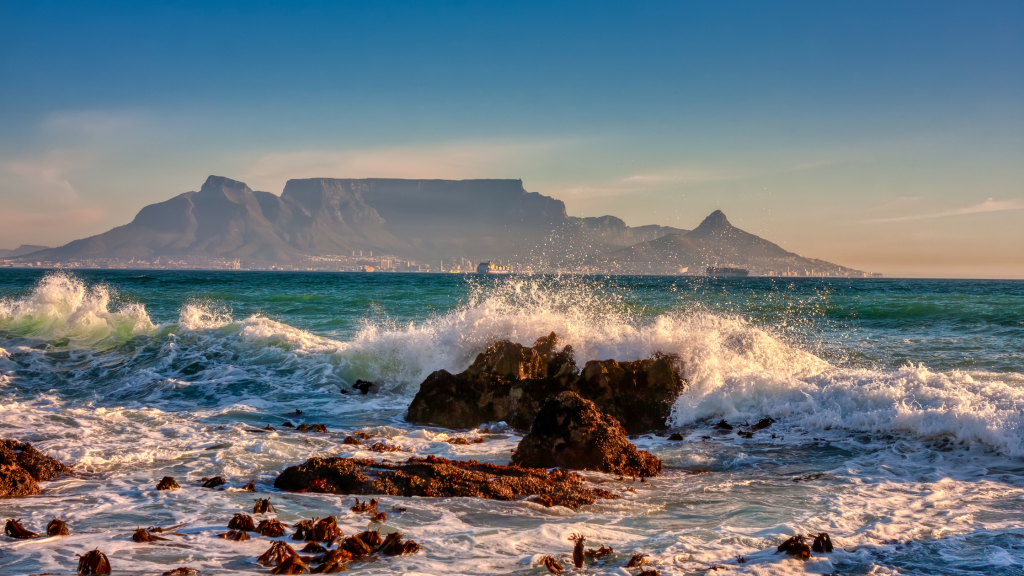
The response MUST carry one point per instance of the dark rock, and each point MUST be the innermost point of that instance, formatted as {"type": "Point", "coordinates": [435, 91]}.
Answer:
{"type": "Point", "coordinates": [510, 382]}
{"type": "Point", "coordinates": [438, 478]}
{"type": "Point", "coordinates": [214, 482]}
{"type": "Point", "coordinates": [795, 546]}
{"type": "Point", "coordinates": [181, 571]}
{"type": "Point", "coordinates": [762, 423]}
{"type": "Point", "coordinates": [363, 386]}
{"type": "Point", "coordinates": [570, 432]}
{"type": "Point", "coordinates": [723, 425]}
{"type": "Point", "coordinates": [167, 483]}
{"type": "Point", "coordinates": [675, 437]}
{"type": "Point", "coordinates": [22, 467]}
{"type": "Point", "coordinates": [142, 535]}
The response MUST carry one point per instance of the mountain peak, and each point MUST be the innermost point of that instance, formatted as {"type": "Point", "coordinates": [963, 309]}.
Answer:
{"type": "Point", "coordinates": [716, 223]}
{"type": "Point", "coordinates": [233, 190]}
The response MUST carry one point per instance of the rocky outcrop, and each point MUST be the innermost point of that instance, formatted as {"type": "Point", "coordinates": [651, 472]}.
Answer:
{"type": "Point", "coordinates": [439, 478]}
{"type": "Point", "coordinates": [570, 432]}
{"type": "Point", "coordinates": [22, 467]}
{"type": "Point", "coordinates": [510, 382]}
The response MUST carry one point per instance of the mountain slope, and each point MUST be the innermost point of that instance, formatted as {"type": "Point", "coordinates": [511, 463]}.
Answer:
{"type": "Point", "coordinates": [20, 250]}
{"type": "Point", "coordinates": [715, 242]}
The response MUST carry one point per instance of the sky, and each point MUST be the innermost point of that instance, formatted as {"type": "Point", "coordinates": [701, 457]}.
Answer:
{"type": "Point", "coordinates": [886, 136]}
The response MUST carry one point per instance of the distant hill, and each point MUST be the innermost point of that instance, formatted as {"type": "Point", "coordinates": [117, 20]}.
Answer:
{"type": "Point", "coordinates": [20, 250]}
{"type": "Point", "coordinates": [715, 242]}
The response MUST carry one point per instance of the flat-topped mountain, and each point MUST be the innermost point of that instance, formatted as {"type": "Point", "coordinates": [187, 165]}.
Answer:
{"type": "Point", "coordinates": [415, 219]}
{"type": "Point", "coordinates": [421, 220]}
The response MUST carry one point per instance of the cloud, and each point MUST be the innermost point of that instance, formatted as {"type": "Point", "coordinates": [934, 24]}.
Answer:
{"type": "Point", "coordinates": [454, 161]}
{"type": "Point", "coordinates": [681, 175]}
{"type": "Point", "coordinates": [989, 205]}
{"type": "Point", "coordinates": [43, 179]}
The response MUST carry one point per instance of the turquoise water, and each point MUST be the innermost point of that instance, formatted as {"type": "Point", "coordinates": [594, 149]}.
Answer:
{"type": "Point", "coordinates": [898, 401]}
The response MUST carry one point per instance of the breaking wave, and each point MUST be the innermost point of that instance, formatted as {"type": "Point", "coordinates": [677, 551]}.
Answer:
{"type": "Point", "coordinates": [736, 369]}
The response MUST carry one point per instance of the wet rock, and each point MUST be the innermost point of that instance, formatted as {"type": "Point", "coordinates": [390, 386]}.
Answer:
{"type": "Point", "coordinates": [438, 478]}
{"type": "Point", "coordinates": [351, 441]}
{"type": "Point", "coordinates": [250, 487]}
{"type": "Point", "coordinates": [57, 527]}
{"type": "Point", "coordinates": [723, 425]}
{"type": "Point", "coordinates": [94, 562]}
{"type": "Point", "coordinates": [762, 424]}
{"type": "Point", "coordinates": [22, 467]}
{"type": "Point", "coordinates": [312, 428]}
{"type": "Point", "coordinates": [214, 482]}
{"type": "Point", "coordinates": [675, 437]}
{"type": "Point", "coordinates": [14, 529]}
{"type": "Point", "coordinates": [510, 382]}
{"type": "Point", "coordinates": [570, 432]}
{"type": "Point", "coordinates": [363, 386]}
{"type": "Point", "coordinates": [167, 483]}
{"type": "Point", "coordinates": [181, 571]}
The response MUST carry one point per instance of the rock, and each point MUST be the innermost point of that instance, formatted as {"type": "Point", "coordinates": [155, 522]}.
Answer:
{"type": "Point", "coordinates": [510, 382]}
{"type": "Point", "coordinates": [22, 467]}
{"type": "Point", "coordinates": [676, 437]}
{"type": "Point", "coordinates": [214, 482]}
{"type": "Point", "coordinates": [167, 483]}
{"type": "Point", "coordinates": [438, 478]}
{"type": "Point", "coordinates": [570, 432]}
{"type": "Point", "coordinates": [363, 386]}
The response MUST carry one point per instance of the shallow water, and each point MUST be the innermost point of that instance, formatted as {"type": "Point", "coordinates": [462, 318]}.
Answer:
{"type": "Point", "coordinates": [898, 405]}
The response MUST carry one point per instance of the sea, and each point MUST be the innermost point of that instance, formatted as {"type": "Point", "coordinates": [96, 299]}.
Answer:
{"type": "Point", "coordinates": [897, 404]}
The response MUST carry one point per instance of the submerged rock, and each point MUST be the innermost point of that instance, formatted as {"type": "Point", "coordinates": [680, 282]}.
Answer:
{"type": "Point", "coordinates": [22, 467]}
{"type": "Point", "coordinates": [438, 478]}
{"type": "Point", "coordinates": [570, 432]}
{"type": "Point", "coordinates": [510, 382]}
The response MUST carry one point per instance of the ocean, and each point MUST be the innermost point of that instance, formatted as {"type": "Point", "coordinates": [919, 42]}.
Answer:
{"type": "Point", "coordinates": [898, 406]}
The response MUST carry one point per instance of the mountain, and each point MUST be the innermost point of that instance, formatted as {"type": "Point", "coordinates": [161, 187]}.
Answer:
{"type": "Point", "coordinates": [423, 221]}
{"type": "Point", "coordinates": [715, 242]}
{"type": "Point", "coordinates": [20, 250]}
{"type": "Point", "coordinates": [414, 219]}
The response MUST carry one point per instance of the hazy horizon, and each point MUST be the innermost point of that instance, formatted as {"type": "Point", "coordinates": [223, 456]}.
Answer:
{"type": "Point", "coordinates": [884, 137]}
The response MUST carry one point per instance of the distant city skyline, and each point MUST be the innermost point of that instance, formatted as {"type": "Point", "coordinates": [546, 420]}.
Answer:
{"type": "Point", "coordinates": [884, 136]}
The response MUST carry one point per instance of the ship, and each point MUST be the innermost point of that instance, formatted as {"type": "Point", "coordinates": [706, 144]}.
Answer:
{"type": "Point", "coordinates": [492, 268]}
{"type": "Point", "coordinates": [726, 272]}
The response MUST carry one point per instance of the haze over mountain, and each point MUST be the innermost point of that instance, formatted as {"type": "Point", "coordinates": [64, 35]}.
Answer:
{"type": "Point", "coordinates": [20, 250]}
{"type": "Point", "coordinates": [423, 220]}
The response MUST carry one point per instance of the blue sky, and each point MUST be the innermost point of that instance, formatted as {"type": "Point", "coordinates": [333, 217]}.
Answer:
{"type": "Point", "coordinates": [887, 136]}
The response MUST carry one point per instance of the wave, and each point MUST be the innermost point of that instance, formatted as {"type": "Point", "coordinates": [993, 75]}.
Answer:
{"type": "Point", "coordinates": [735, 369]}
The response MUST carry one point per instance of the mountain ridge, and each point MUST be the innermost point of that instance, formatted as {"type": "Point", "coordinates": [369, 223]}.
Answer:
{"type": "Point", "coordinates": [424, 220]}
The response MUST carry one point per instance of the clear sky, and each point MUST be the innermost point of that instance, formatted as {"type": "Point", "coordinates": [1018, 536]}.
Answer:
{"type": "Point", "coordinates": [887, 136]}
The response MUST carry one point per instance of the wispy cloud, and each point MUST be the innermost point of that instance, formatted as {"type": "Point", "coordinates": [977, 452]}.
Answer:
{"type": "Point", "coordinates": [989, 205]}
{"type": "Point", "coordinates": [681, 175]}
